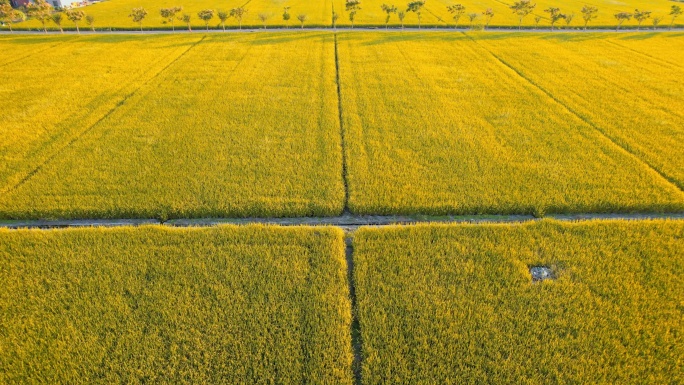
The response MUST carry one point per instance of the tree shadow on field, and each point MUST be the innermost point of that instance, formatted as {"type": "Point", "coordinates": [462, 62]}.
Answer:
{"type": "Point", "coordinates": [31, 40]}
{"type": "Point", "coordinates": [645, 36]}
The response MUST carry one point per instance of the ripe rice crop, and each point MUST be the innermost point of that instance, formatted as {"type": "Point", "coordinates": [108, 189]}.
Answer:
{"type": "Point", "coordinates": [114, 13]}
{"type": "Point", "coordinates": [436, 124]}
{"type": "Point", "coordinates": [160, 305]}
{"type": "Point", "coordinates": [631, 87]}
{"type": "Point", "coordinates": [239, 125]}
{"type": "Point", "coordinates": [456, 304]}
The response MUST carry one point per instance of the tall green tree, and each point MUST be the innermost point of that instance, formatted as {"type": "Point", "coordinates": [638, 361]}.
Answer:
{"type": "Point", "coordinates": [417, 8]}
{"type": "Point", "coordinates": [75, 16]}
{"type": "Point", "coordinates": [138, 15]}
{"type": "Point", "coordinates": [389, 10]}
{"type": "Point", "coordinates": [458, 10]}
{"type": "Point", "coordinates": [589, 13]}
{"type": "Point", "coordinates": [169, 15]}
{"type": "Point", "coordinates": [522, 8]}
{"type": "Point", "coordinates": [238, 13]}
{"type": "Point", "coordinates": [352, 6]}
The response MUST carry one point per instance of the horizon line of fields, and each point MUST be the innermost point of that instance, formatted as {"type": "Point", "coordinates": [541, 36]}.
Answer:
{"type": "Point", "coordinates": [268, 303]}
{"type": "Point", "coordinates": [435, 124]}
{"type": "Point", "coordinates": [114, 13]}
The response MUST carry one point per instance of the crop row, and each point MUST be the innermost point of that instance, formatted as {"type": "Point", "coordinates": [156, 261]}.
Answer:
{"type": "Point", "coordinates": [435, 304]}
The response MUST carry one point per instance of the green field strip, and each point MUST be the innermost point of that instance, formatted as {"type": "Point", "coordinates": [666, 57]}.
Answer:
{"type": "Point", "coordinates": [436, 125]}
{"type": "Point", "coordinates": [237, 157]}
{"type": "Point", "coordinates": [644, 93]}
{"type": "Point", "coordinates": [457, 303]}
{"type": "Point", "coordinates": [53, 115]}
{"type": "Point", "coordinates": [131, 305]}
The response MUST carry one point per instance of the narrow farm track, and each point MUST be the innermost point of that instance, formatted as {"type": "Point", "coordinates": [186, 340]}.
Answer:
{"type": "Point", "coordinates": [600, 130]}
{"type": "Point", "coordinates": [347, 222]}
{"type": "Point", "coordinates": [80, 135]}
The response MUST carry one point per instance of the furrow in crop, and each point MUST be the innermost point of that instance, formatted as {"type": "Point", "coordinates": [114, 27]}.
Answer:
{"type": "Point", "coordinates": [54, 155]}
{"type": "Point", "coordinates": [603, 132]}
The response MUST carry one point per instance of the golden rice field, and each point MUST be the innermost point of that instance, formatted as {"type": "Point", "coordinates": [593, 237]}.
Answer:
{"type": "Point", "coordinates": [439, 123]}
{"type": "Point", "coordinates": [114, 13]}
{"type": "Point", "coordinates": [242, 125]}
{"type": "Point", "coordinates": [239, 125]}
{"type": "Point", "coordinates": [456, 304]}
{"type": "Point", "coordinates": [161, 305]}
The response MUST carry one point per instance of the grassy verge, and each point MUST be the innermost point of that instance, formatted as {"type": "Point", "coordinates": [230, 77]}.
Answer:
{"type": "Point", "coordinates": [138, 305]}
{"type": "Point", "coordinates": [456, 304]}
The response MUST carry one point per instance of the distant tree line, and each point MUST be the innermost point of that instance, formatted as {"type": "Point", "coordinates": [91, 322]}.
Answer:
{"type": "Point", "coordinates": [43, 12]}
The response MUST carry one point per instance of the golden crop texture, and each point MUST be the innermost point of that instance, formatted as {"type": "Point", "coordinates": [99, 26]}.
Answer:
{"type": "Point", "coordinates": [438, 123]}
{"type": "Point", "coordinates": [242, 125]}
{"type": "Point", "coordinates": [457, 305]}
{"type": "Point", "coordinates": [114, 13]}
{"type": "Point", "coordinates": [161, 305]}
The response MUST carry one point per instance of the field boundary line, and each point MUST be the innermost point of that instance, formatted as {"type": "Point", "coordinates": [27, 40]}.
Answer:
{"type": "Point", "coordinates": [601, 131]}
{"type": "Point", "coordinates": [80, 135]}
{"type": "Point", "coordinates": [346, 221]}
{"type": "Point", "coordinates": [343, 134]}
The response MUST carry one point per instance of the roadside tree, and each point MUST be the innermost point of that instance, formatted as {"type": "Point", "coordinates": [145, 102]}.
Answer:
{"type": "Point", "coordinates": [352, 6]}
{"type": "Point", "coordinates": [206, 15]}
{"type": "Point", "coordinates": [589, 13]}
{"type": "Point", "coordinates": [169, 15]}
{"type": "Point", "coordinates": [389, 10]}
{"type": "Point", "coordinates": [75, 16]}
{"type": "Point", "coordinates": [457, 10]}
{"type": "Point", "coordinates": [138, 15]}
{"type": "Point", "coordinates": [641, 16]}
{"type": "Point", "coordinates": [522, 8]}
{"type": "Point", "coordinates": [621, 18]}
{"type": "Point", "coordinates": [417, 8]}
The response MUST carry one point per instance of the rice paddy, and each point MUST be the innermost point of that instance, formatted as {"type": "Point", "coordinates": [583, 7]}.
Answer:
{"type": "Point", "coordinates": [159, 305]}
{"type": "Point", "coordinates": [457, 304]}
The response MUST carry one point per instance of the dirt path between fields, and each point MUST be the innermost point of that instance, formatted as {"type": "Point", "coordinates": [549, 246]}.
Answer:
{"type": "Point", "coordinates": [348, 222]}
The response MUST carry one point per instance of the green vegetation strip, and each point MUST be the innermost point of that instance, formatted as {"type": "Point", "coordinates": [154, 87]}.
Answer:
{"type": "Point", "coordinates": [132, 305]}
{"type": "Point", "coordinates": [456, 304]}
